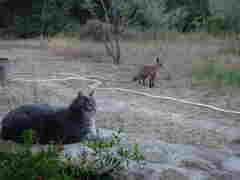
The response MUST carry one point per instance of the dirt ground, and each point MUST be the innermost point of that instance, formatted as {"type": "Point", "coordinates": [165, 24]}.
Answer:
{"type": "Point", "coordinates": [143, 118]}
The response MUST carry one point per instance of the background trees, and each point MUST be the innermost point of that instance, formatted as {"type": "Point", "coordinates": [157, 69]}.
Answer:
{"type": "Point", "coordinates": [51, 16]}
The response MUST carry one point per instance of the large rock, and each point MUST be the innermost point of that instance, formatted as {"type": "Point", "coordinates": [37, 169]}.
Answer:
{"type": "Point", "coordinates": [169, 161]}
{"type": "Point", "coordinates": [149, 174]}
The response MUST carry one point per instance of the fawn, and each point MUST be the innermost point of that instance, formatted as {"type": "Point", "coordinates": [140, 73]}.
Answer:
{"type": "Point", "coordinates": [149, 71]}
{"type": "Point", "coordinates": [52, 123]}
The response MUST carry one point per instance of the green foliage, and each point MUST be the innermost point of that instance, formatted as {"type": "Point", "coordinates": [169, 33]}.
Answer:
{"type": "Point", "coordinates": [28, 136]}
{"type": "Point", "coordinates": [52, 16]}
{"type": "Point", "coordinates": [187, 15]}
{"type": "Point", "coordinates": [47, 17]}
{"type": "Point", "coordinates": [24, 164]}
{"type": "Point", "coordinates": [183, 13]}
{"type": "Point", "coordinates": [229, 12]}
{"type": "Point", "coordinates": [27, 165]}
{"type": "Point", "coordinates": [219, 73]}
{"type": "Point", "coordinates": [211, 24]}
{"type": "Point", "coordinates": [150, 14]}
{"type": "Point", "coordinates": [46, 164]}
{"type": "Point", "coordinates": [120, 155]}
{"type": "Point", "coordinates": [113, 154]}
{"type": "Point", "coordinates": [135, 154]}
{"type": "Point", "coordinates": [98, 144]}
{"type": "Point", "coordinates": [27, 25]}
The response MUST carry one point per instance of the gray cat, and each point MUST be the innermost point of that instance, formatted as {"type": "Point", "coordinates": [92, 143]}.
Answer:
{"type": "Point", "coordinates": [50, 123]}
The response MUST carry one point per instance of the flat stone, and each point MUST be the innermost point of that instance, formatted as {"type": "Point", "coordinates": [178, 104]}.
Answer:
{"type": "Point", "coordinates": [149, 174]}
{"type": "Point", "coordinates": [232, 164]}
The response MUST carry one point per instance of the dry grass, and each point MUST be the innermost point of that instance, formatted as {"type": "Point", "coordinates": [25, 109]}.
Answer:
{"type": "Point", "coordinates": [181, 52]}
{"type": "Point", "coordinates": [171, 36]}
{"type": "Point", "coordinates": [140, 43]}
{"type": "Point", "coordinates": [63, 42]}
{"type": "Point", "coordinates": [142, 50]}
{"type": "Point", "coordinates": [73, 47]}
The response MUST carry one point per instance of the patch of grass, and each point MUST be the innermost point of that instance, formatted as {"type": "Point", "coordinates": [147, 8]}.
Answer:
{"type": "Point", "coordinates": [231, 51]}
{"type": "Point", "coordinates": [216, 146]}
{"type": "Point", "coordinates": [174, 36]}
{"type": "Point", "coordinates": [61, 41]}
{"type": "Point", "coordinates": [154, 35]}
{"type": "Point", "coordinates": [214, 72]}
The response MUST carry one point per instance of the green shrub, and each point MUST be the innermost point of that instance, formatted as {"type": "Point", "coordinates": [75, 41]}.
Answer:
{"type": "Point", "coordinates": [121, 155]}
{"type": "Point", "coordinates": [47, 17]}
{"type": "Point", "coordinates": [28, 165]}
{"type": "Point", "coordinates": [216, 72]}
{"type": "Point", "coordinates": [53, 16]}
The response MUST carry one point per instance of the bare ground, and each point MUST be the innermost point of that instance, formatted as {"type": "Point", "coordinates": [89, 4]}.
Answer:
{"type": "Point", "coordinates": [143, 118]}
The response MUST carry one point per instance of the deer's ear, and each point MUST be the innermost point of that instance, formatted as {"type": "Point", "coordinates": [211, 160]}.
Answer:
{"type": "Point", "coordinates": [92, 93]}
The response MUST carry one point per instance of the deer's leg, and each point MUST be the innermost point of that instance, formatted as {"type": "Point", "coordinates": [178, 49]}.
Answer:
{"type": "Point", "coordinates": [143, 82]}
{"type": "Point", "coordinates": [150, 83]}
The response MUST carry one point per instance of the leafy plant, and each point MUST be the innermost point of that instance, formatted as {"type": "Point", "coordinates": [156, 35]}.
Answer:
{"type": "Point", "coordinates": [97, 144]}
{"type": "Point", "coordinates": [113, 154]}
{"type": "Point", "coordinates": [46, 17]}
{"type": "Point", "coordinates": [30, 166]}
{"type": "Point", "coordinates": [46, 164]}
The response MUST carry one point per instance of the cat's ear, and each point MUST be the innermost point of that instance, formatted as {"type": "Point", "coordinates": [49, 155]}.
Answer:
{"type": "Point", "coordinates": [80, 94]}
{"type": "Point", "coordinates": [92, 93]}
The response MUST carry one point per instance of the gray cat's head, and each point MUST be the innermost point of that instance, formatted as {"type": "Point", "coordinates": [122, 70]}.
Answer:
{"type": "Point", "coordinates": [84, 104]}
